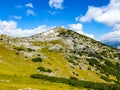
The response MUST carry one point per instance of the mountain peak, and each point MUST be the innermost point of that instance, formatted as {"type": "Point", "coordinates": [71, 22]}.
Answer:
{"type": "Point", "coordinates": [59, 29]}
{"type": "Point", "coordinates": [52, 32]}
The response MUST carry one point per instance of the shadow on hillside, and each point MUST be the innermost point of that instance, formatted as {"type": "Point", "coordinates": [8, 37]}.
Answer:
{"type": "Point", "coordinates": [77, 83]}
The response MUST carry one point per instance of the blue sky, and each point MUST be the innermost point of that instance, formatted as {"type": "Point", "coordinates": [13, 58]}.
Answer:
{"type": "Point", "coordinates": [93, 18]}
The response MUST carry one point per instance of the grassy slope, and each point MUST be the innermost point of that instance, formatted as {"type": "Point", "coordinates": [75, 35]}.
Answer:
{"type": "Point", "coordinates": [57, 62]}
{"type": "Point", "coordinates": [15, 71]}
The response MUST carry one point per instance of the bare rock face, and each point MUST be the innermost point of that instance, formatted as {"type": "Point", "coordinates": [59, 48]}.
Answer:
{"type": "Point", "coordinates": [118, 47]}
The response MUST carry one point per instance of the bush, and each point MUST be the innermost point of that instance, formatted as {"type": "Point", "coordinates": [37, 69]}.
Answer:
{"type": "Point", "coordinates": [49, 70]}
{"type": "Point", "coordinates": [92, 61]}
{"type": "Point", "coordinates": [71, 61]}
{"type": "Point", "coordinates": [89, 68]}
{"type": "Point", "coordinates": [17, 53]}
{"type": "Point", "coordinates": [44, 70]}
{"type": "Point", "coordinates": [29, 49]}
{"type": "Point", "coordinates": [118, 66]}
{"type": "Point", "coordinates": [20, 49]}
{"type": "Point", "coordinates": [38, 59]}
{"type": "Point", "coordinates": [73, 78]}
{"type": "Point", "coordinates": [109, 63]}
{"type": "Point", "coordinates": [41, 69]}
{"type": "Point", "coordinates": [105, 78]}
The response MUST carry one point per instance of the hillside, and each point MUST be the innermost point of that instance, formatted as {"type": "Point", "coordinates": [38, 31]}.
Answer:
{"type": "Point", "coordinates": [58, 59]}
{"type": "Point", "coordinates": [118, 47]}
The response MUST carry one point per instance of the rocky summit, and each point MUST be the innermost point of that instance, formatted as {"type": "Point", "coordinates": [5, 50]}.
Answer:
{"type": "Point", "coordinates": [58, 59]}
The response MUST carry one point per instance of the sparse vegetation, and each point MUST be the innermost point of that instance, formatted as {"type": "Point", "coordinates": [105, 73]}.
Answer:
{"type": "Point", "coordinates": [77, 83]}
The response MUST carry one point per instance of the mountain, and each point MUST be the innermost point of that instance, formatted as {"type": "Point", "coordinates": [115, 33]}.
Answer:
{"type": "Point", "coordinates": [58, 59]}
{"type": "Point", "coordinates": [114, 44]}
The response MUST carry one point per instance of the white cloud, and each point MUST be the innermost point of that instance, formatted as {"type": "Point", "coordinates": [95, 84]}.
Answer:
{"type": "Point", "coordinates": [76, 27]}
{"type": "Point", "coordinates": [57, 4]}
{"type": "Point", "coordinates": [111, 36]}
{"type": "Point", "coordinates": [29, 5]}
{"type": "Point", "coordinates": [7, 25]}
{"type": "Point", "coordinates": [16, 17]}
{"type": "Point", "coordinates": [109, 15]}
{"type": "Point", "coordinates": [10, 28]}
{"type": "Point", "coordinates": [30, 12]}
{"type": "Point", "coordinates": [79, 28]}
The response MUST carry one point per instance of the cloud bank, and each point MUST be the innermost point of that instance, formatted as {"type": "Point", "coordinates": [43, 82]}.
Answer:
{"type": "Point", "coordinates": [10, 28]}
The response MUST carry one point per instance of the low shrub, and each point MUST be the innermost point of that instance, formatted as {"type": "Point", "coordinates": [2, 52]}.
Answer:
{"type": "Point", "coordinates": [105, 78]}
{"type": "Point", "coordinates": [73, 78]}
{"type": "Point", "coordinates": [20, 49]}
{"type": "Point", "coordinates": [17, 53]}
{"type": "Point", "coordinates": [92, 61]}
{"type": "Point", "coordinates": [109, 63]}
{"type": "Point", "coordinates": [42, 69]}
{"type": "Point", "coordinates": [38, 59]}
{"type": "Point", "coordinates": [49, 70]}
{"type": "Point", "coordinates": [30, 50]}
